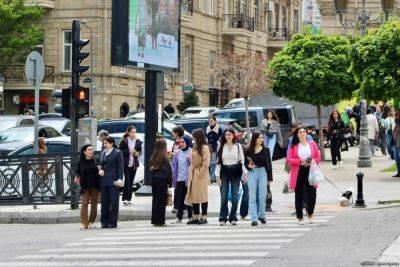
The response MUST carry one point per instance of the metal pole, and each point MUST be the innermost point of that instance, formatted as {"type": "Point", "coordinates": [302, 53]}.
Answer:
{"type": "Point", "coordinates": [36, 126]}
{"type": "Point", "coordinates": [91, 109]}
{"type": "Point", "coordinates": [360, 203]}
{"type": "Point", "coordinates": [363, 19]}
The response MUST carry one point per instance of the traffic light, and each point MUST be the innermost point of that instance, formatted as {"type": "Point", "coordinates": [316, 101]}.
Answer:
{"type": "Point", "coordinates": [82, 101]}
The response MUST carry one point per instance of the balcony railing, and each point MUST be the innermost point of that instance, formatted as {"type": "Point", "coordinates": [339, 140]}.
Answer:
{"type": "Point", "coordinates": [16, 74]}
{"type": "Point", "coordinates": [238, 21]}
{"type": "Point", "coordinates": [187, 7]}
{"type": "Point", "coordinates": [279, 34]}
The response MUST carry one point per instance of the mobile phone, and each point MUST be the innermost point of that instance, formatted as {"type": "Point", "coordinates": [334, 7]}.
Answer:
{"type": "Point", "coordinates": [309, 159]}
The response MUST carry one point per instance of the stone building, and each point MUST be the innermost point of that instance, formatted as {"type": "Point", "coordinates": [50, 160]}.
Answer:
{"type": "Point", "coordinates": [209, 28]}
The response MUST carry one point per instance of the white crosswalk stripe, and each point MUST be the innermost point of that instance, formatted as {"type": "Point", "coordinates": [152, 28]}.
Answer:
{"type": "Point", "coordinates": [175, 245]}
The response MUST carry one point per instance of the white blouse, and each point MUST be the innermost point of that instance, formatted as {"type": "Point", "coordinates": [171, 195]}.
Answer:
{"type": "Point", "coordinates": [231, 157]}
{"type": "Point", "coordinates": [304, 151]}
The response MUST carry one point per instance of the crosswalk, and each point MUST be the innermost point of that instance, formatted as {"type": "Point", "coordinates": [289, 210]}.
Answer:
{"type": "Point", "coordinates": [174, 245]}
{"type": "Point", "coordinates": [391, 256]}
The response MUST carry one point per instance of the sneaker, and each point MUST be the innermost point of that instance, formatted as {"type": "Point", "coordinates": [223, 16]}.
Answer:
{"type": "Point", "coordinates": [222, 223]}
{"type": "Point", "coordinates": [243, 217]}
{"type": "Point", "coordinates": [311, 219]}
{"type": "Point", "coordinates": [174, 210]}
{"type": "Point", "coordinates": [92, 226]}
{"type": "Point", "coordinates": [254, 223]}
{"type": "Point", "coordinates": [129, 203]}
{"type": "Point", "coordinates": [234, 223]}
{"type": "Point", "coordinates": [177, 221]}
{"type": "Point", "coordinates": [341, 164]}
{"type": "Point", "coordinates": [203, 221]}
{"type": "Point", "coordinates": [263, 221]}
{"type": "Point", "coordinates": [301, 222]}
{"type": "Point", "coordinates": [193, 221]}
{"type": "Point", "coordinates": [397, 175]}
{"type": "Point", "coordinates": [334, 167]}
{"type": "Point", "coordinates": [125, 203]}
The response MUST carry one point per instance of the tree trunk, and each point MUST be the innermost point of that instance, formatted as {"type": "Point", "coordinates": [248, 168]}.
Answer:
{"type": "Point", "coordinates": [246, 106]}
{"type": "Point", "coordinates": [321, 133]}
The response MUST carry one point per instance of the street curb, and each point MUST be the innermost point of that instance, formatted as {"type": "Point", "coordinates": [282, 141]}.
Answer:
{"type": "Point", "coordinates": [73, 216]}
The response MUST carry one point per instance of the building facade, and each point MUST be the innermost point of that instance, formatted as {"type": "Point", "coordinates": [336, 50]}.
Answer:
{"type": "Point", "coordinates": [209, 29]}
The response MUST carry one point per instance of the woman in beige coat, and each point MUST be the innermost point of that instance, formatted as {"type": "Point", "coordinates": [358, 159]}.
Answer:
{"type": "Point", "coordinates": [199, 178]}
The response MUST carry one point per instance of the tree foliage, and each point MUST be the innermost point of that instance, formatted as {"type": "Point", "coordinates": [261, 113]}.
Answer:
{"type": "Point", "coordinates": [313, 69]}
{"type": "Point", "coordinates": [189, 100]}
{"type": "Point", "coordinates": [18, 32]}
{"type": "Point", "coordinates": [376, 62]}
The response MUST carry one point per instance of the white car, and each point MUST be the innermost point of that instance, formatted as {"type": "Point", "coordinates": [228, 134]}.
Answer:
{"type": "Point", "coordinates": [198, 112]}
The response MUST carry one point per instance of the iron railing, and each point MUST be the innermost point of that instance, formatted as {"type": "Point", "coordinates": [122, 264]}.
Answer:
{"type": "Point", "coordinates": [16, 73]}
{"type": "Point", "coordinates": [40, 179]}
{"type": "Point", "coordinates": [238, 21]}
{"type": "Point", "coordinates": [187, 7]}
{"type": "Point", "coordinates": [279, 34]}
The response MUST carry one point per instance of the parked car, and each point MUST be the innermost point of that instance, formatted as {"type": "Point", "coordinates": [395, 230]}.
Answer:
{"type": "Point", "coordinates": [9, 121]}
{"type": "Point", "coordinates": [140, 115]}
{"type": "Point", "coordinates": [120, 126]}
{"type": "Point", "coordinates": [60, 124]}
{"type": "Point", "coordinates": [236, 103]}
{"type": "Point", "coordinates": [26, 133]}
{"type": "Point", "coordinates": [197, 112]}
{"type": "Point", "coordinates": [50, 115]}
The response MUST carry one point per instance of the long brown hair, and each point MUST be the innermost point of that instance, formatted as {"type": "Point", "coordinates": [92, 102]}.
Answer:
{"type": "Point", "coordinates": [200, 139]}
{"type": "Point", "coordinates": [128, 130]}
{"type": "Point", "coordinates": [274, 116]}
{"type": "Point", "coordinates": [41, 144]}
{"type": "Point", "coordinates": [159, 157]}
{"type": "Point", "coordinates": [252, 147]}
{"type": "Point", "coordinates": [331, 119]}
{"type": "Point", "coordinates": [223, 142]}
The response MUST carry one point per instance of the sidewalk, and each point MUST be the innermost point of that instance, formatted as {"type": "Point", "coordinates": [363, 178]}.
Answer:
{"type": "Point", "coordinates": [378, 186]}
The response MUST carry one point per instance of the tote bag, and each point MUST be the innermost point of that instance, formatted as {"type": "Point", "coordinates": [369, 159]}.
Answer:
{"type": "Point", "coordinates": [315, 176]}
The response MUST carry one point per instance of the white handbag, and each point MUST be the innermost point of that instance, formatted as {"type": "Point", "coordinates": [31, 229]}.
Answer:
{"type": "Point", "coordinates": [315, 176]}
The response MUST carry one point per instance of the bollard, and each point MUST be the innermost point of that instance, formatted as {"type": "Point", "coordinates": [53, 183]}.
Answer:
{"type": "Point", "coordinates": [360, 198]}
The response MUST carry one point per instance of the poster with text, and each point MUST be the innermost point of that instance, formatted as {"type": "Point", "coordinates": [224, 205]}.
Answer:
{"type": "Point", "coordinates": [154, 33]}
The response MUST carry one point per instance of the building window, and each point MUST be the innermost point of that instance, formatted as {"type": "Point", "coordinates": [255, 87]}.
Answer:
{"type": "Point", "coordinates": [203, 6]}
{"type": "Point", "coordinates": [256, 15]}
{"type": "Point", "coordinates": [186, 64]}
{"type": "Point", "coordinates": [213, 56]}
{"type": "Point", "coordinates": [67, 50]}
{"type": "Point", "coordinates": [212, 7]}
{"type": "Point", "coordinates": [296, 20]}
{"type": "Point", "coordinates": [268, 21]}
{"type": "Point", "coordinates": [277, 17]}
{"type": "Point", "coordinates": [284, 17]}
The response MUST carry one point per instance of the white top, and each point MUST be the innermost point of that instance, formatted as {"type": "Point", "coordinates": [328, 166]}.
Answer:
{"type": "Point", "coordinates": [107, 152]}
{"type": "Point", "coordinates": [231, 157]}
{"type": "Point", "coordinates": [304, 151]}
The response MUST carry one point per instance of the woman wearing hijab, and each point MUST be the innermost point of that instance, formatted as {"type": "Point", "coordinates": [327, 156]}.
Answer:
{"type": "Point", "coordinates": [180, 174]}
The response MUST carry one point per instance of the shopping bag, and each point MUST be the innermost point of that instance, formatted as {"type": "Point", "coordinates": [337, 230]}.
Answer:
{"type": "Point", "coordinates": [315, 176]}
{"type": "Point", "coordinates": [285, 189]}
{"type": "Point", "coordinates": [240, 191]}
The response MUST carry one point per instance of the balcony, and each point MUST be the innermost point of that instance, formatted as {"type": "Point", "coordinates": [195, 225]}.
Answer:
{"type": "Point", "coordinates": [238, 25]}
{"type": "Point", "coordinates": [41, 3]}
{"type": "Point", "coordinates": [14, 77]}
{"type": "Point", "coordinates": [187, 10]}
{"type": "Point", "coordinates": [278, 37]}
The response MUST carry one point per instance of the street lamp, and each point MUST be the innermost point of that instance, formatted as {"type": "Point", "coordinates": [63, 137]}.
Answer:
{"type": "Point", "coordinates": [91, 109]}
{"type": "Point", "coordinates": [364, 156]}
{"type": "Point", "coordinates": [1, 93]}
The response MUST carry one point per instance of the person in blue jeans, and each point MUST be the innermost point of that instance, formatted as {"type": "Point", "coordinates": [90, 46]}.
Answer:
{"type": "Point", "coordinates": [272, 131]}
{"type": "Point", "coordinates": [229, 170]}
{"type": "Point", "coordinates": [258, 162]}
{"type": "Point", "coordinates": [396, 138]}
{"type": "Point", "coordinates": [213, 134]}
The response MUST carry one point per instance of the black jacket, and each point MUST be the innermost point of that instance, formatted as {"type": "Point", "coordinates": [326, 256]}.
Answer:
{"type": "Point", "coordinates": [338, 126]}
{"type": "Point", "coordinates": [113, 166]}
{"type": "Point", "coordinates": [261, 159]}
{"type": "Point", "coordinates": [166, 173]}
{"type": "Point", "coordinates": [88, 173]}
{"type": "Point", "coordinates": [124, 148]}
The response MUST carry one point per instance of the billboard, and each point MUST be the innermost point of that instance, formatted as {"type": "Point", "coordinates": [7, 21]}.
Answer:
{"type": "Point", "coordinates": [153, 38]}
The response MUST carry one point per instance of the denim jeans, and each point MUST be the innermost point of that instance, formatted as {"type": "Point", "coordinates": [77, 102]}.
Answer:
{"type": "Point", "coordinates": [212, 166]}
{"type": "Point", "coordinates": [257, 193]}
{"type": "Point", "coordinates": [372, 146]}
{"type": "Point", "coordinates": [270, 143]}
{"type": "Point", "coordinates": [224, 188]}
{"type": "Point", "coordinates": [390, 148]}
{"type": "Point", "coordinates": [244, 204]}
{"type": "Point", "coordinates": [397, 158]}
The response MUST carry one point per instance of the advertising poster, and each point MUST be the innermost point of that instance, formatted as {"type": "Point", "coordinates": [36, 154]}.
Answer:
{"type": "Point", "coordinates": [154, 33]}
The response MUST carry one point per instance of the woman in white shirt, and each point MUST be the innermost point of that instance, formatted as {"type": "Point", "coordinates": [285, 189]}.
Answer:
{"type": "Point", "coordinates": [229, 170]}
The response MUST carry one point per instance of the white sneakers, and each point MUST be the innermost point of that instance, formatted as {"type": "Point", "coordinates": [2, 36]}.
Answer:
{"type": "Point", "coordinates": [311, 219]}
{"type": "Point", "coordinates": [340, 164]}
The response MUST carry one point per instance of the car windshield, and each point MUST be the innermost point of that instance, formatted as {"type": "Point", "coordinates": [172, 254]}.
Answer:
{"type": "Point", "coordinates": [191, 111]}
{"type": "Point", "coordinates": [56, 124]}
{"type": "Point", "coordinates": [7, 123]}
{"type": "Point", "coordinates": [17, 134]}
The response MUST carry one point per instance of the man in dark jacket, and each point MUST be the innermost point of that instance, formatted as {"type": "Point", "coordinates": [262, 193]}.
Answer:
{"type": "Point", "coordinates": [214, 133]}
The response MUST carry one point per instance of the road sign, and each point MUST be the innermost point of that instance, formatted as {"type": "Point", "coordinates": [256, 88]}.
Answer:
{"type": "Point", "coordinates": [187, 88]}
{"type": "Point", "coordinates": [34, 71]}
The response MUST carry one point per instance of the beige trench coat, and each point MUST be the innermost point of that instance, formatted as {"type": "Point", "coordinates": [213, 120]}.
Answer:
{"type": "Point", "coordinates": [199, 177]}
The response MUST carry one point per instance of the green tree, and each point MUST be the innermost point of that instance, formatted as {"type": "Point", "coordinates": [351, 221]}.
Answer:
{"type": "Point", "coordinates": [313, 69]}
{"type": "Point", "coordinates": [376, 62]}
{"type": "Point", "coordinates": [189, 100]}
{"type": "Point", "coordinates": [18, 32]}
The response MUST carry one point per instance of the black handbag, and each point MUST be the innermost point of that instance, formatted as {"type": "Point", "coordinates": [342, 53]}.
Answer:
{"type": "Point", "coordinates": [232, 171]}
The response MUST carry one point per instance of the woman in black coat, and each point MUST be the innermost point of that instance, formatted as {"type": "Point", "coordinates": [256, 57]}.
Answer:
{"type": "Point", "coordinates": [161, 179]}
{"type": "Point", "coordinates": [335, 132]}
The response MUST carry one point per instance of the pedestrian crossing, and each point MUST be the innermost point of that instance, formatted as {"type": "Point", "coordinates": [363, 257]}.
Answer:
{"type": "Point", "coordinates": [141, 244]}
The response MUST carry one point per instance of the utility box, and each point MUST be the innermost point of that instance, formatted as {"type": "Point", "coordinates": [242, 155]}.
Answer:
{"type": "Point", "coordinates": [87, 133]}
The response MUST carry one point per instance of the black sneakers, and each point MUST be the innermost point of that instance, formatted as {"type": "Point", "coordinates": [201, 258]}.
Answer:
{"type": "Point", "coordinates": [254, 223]}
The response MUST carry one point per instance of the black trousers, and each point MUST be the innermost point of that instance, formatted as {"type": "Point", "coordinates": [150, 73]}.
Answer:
{"type": "Point", "coordinates": [109, 205]}
{"type": "Point", "coordinates": [181, 191]}
{"type": "Point", "coordinates": [130, 173]}
{"type": "Point", "coordinates": [336, 144]}
{"type": "Point", "coordinates": [175, 199]}
{"type": "Point", "coordinates": [303, 186]}
{"type": "Point", "coordinates": [196, 208]}
{"type": "Point", "coordinates": [159, 203]}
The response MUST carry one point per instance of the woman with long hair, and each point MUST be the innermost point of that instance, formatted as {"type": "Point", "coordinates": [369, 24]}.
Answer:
{"type": "Point", "coordinates": [300, 156]}
{"type": "Point", "coordinates": [272, 131]}
{"type": "Point", "coordinates": [335, 134]}
{"type": "Point", "coordinates": [180, 174]}
{"type": "Point", "coordinates": [87, 175]}
{"type": "Point", "coordinates": [258, 162]}
{"type": "Point", "coordinates": [111, 170]}
{"type": "Point", "coordinates": [388, 117]}
{"type": "Point", "coordinates": [199, 177]}
{"type": "Point", "coordinates": [396, 140]}
{"type": "Point", "coordinates": [229, 170]}
{"type": "Point", "coordinates": [161, 179]}
{"type": "Point", "coordinates": [131, 148]}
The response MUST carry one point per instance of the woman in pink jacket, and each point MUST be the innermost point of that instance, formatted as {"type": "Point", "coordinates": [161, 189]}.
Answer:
{"type": "Point", "coordinates": [299, 157]}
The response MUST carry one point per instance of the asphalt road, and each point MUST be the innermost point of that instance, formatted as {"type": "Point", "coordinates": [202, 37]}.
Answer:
{"type": "Point", "coordinates": [341, 239]}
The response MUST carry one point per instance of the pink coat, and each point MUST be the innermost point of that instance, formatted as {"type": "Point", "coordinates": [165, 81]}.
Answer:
{"type": "Point", "coordinates": [294, 161]}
